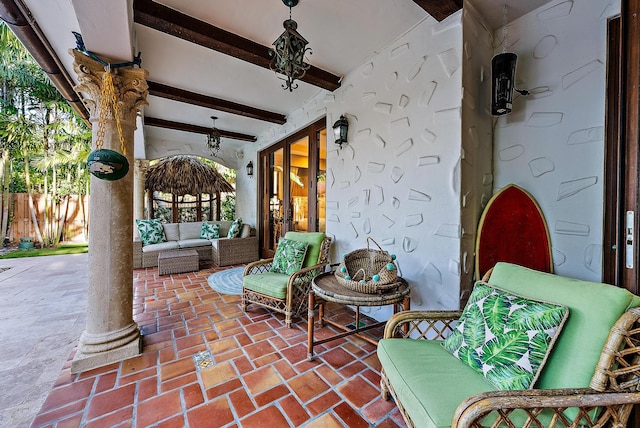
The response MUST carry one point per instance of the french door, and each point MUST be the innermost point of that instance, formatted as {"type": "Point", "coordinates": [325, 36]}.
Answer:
{"type": "Point", "coordinates": [292, 174]}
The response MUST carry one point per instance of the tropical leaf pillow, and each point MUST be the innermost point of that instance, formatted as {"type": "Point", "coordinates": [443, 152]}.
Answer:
{"type": "Point", "coordinates": [506, 337]}
{"type": "Point", "coordinates": [289, 256]}
{"type": "Point", "coordinates": [234, 229]}
{"type": "Point", "coordinates": [151, 231]}
{"type": "Point", "coordinates": [209, 231]}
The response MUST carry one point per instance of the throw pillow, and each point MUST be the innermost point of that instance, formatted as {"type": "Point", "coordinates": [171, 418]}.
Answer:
{"type": "Point", "coordinates": [209, 231]}
{"type": "Point", "coordinates": [234, 229]}
{"type": "Point", "coordinates": [151, 231]}
{"type": "Point", "coordinates": [289, 256]}
{"type": "Point", "coordinates": [506, 337]}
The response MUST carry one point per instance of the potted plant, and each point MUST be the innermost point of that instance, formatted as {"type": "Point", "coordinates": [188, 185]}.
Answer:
{"type": "Point", "coordinates": [322, 183]}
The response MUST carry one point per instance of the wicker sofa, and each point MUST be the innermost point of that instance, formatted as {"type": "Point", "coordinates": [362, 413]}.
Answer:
{"type": "Point", "coordinates": [223, 251]}
{"type": "Point", "coordinates": [591, 376]}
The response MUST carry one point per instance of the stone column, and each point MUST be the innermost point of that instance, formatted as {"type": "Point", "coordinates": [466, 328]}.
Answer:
{"type": "Point", "coordinates": [111, 333]}
{"type": "Point", "coordinates": [140, 171]}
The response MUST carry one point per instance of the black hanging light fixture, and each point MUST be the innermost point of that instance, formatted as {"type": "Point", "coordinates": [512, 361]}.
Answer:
{"type": "Point", "coordinates": [287, 56]}
{"type": "Point", "coordinates": [340, 130]}
{"type": "Point", "coordinates": [250, 169]}
{"type": "Point", "coordinates": [213, 138]}
{"type": "Point", "coordinates": [503, 72]}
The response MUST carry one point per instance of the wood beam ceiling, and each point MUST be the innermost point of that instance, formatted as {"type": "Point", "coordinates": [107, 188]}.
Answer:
{"type": "Point", "coordinates": [184, 96]}
{"type": "Point", "coordinates": [177, 24]}
{"type": "Point", "coordinates": [196, 129]}
{"type": "Point", "coordinates": [440, 9]}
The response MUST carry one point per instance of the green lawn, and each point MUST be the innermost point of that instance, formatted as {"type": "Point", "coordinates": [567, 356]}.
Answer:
{"type": "Point", "coordinates": [59, 250]}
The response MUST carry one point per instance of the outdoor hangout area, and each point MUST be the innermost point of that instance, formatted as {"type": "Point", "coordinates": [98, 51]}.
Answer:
{"type": "Point", "coordinates": [412, 213]}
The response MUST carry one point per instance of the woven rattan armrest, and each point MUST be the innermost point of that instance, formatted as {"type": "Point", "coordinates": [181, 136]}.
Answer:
{"type": "Point", "coordinates": [260, 266]}
{"type": "Point", "coordinates": [498, 407]}
{"type": "Point", "coordinates": [421, 324]}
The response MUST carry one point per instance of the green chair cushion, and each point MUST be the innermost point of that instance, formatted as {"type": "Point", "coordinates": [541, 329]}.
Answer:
{"type": "Point", "coordinates": [428, 381]}
{"type": "Point", "coordinates": [314, 239]}
{"type": "Point", "coordinates": [593, 309]}
{"type": "Point", "coordinates": [270, 283]}
{"type": "Point", "coordinates": [506, 337]}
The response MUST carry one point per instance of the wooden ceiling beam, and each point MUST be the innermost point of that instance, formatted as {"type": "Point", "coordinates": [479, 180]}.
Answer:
{"type": "Point", "coordinates": [184, 96]}
{"type": "Point", "coordinates": [440, 9]}
{"type": "Point", "coordinates": [170, 21]}
{"type": "Point", "coordinates": [196, 129]}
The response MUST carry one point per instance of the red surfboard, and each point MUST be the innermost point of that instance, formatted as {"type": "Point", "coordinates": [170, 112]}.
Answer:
{"type": "Point", "coordinates": [513, 229]}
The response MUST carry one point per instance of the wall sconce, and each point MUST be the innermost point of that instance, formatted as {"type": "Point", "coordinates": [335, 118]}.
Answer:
{"type": "Point", "coordinates": [250, 169]}
{"type": "Point", "coordinates": [340, 130]}
{"type": "Point", "coordinates": [503, 72]}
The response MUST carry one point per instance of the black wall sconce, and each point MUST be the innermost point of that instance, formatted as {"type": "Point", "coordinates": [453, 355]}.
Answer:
{"type": "Point", "coordinates": [340, 130]}
{"type": "Point", "coordinates": [250, 169]}
{"type": "Point", "coordinates": [503, 72]}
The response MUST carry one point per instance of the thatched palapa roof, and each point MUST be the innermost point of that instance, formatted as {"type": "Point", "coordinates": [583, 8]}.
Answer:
{"type": "Point", "coordinates": [185, 175]}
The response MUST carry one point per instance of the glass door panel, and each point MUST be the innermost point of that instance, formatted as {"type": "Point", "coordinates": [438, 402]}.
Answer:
{"type": "Point", "coordinates": [321, 178]}
{"type": "Point", "coordinates": [276, 193]}
{"type": "Point", "coordinates": [298, 214]}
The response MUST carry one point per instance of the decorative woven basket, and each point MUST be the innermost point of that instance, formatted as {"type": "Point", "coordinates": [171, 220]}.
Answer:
{"type": "Point", "coordinates": [367, 270]}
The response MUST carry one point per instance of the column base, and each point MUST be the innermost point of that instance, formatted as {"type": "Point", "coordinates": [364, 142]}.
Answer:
{"type": "Point", "coordinates": [97, 350]}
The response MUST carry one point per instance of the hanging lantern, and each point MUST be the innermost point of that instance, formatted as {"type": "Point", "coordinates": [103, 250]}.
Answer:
{"type": "Point", "coordinates": [340, 130]}
{"type": "Point", "coordinates": [107, 164]}
{"type": "Point", "coordinates": [503, 73]}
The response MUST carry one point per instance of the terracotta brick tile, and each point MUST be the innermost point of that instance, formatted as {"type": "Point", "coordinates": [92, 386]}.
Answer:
{"type": "Point", "coordinates": [358, 391]}
{"type": "Point", "coordinates": [106, 382]}
{"type": "Point", "coordinates": [261, 380]}
{"type": "Point", "coordinates": [190, 352]}
{"type": "Point", "coordinates": [305, 365]}
{"type": "Point", "coordinates": [192, 395]}
{"type": "Point", "coordinates": [243, 365]}
{"type": "Point", "coordinates": [178, 382]}
{"type": "Point", "coordinates": [223, 345]}
{"type": "Point", "coordinates": [100, 370]}
{"type": "Point", "coordinates": [210, 336]}
{"type": "Point", "coordinates": [241, 403]}
{"type": "Point", "coordinates": [110, 401]}
{"type": "Point", "coordinates": [217, 374]}
{"type": "Point", "coordinates": [223, 388]}
{"type": "Point", "coordinates": [212, 414]}
{"type": "Point", "coordinates": [278, 342]}
{"type": "Point", "coordinates": [352, 369]}
{"type": "Point", "coordinates": [337, 358]}
{"type": "Point", "coordinates": [258, 327]}
{"type": "Point", "coordinates": [165, 355]}
{"type": "Point", "coordinates": [159, 337]}
{"type": "Point", "coordinates": [151, 372]}
{"type": "Point", "coordinates": [271, 395]}
{"type": "Point", "coordinates": [176, 421]}
{"type": "Point", "coordinates": [231, 333]}
{"type": "Point", "coordinates": [308, 386]}
{"type": "Point", "coordinates": [64, 395]}
{"type": "Point", "coordinates": [170, 320]}
{"type": "Point", "coordinates": [258, 349]}
{"type": "Point", "coordinates": [284, 369]}
{"type": "Point", "coordinates": [228, 356]}
{"type": "Point", "coordinates": [189, 341]}
{"type": "Point", "coordinates": [147, 388]}
{"type": "Point", "coordinates": [271, 414]}
{"type": "Point", "coordinates": [64, 378]}
{"type": "Point", "coordinates": [371, 376]}
{"type": "Point", "coordinates": [141, 362]}
{"type": "Point", "coordinates": [158, 408]}
{"type": "Point", "coordinates": [176, 369]}
{"type": "Point", "coordinates": [350, 416]}
{"type": "Point", "coordinates": [290, 333]}
{"type": "Point", "coordinates": [179, 332]}
{"type": "Point", "coordinates": [111, 420]}
{"type": "Point", "coordinates": [329, 375]}
{"type": "Point", "coordinates": [46, 417]}
{"type": "Point", "coordinates": [397, 418]}
{"type": "Point", "coordinates": [296, 413]}
{"type": "Point", "coordinates": [295, 354]}
{"type": "Point", "coordinates": [327, 420]}
{"type": "Point", "coordinates": [323, 403]}
{"type": "Point", "coordinates": [73, 421]}
{"type": "Point", "coordinates": [378, 409]}
{"type": "Point", "coordinates": [267, 360]}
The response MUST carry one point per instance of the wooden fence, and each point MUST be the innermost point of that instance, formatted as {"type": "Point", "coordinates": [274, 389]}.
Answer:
{"type": "Point", "coordinates": [74, 229]}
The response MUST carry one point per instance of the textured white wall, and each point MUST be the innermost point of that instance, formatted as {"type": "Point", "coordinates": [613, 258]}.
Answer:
{"type": "Point", "coordinates": [398, 179]}
{"type": "Point", "coordinates": [552, 144]}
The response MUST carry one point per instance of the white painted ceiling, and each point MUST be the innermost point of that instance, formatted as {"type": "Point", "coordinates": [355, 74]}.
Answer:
{"type": "Point", "coordinates": [341, 34]}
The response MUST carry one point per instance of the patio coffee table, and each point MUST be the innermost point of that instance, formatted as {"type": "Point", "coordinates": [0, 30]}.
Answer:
{"type": "Point", "coordinates": [178, 261]}
{"type": "Point", "coordinates": [325, 288]}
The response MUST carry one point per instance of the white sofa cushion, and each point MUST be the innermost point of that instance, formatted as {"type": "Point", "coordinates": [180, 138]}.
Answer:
{"type": "Point", "coordinates": [190, 230]}
{"type": "Point", "coordinates": [161, 246]}
{"type": "Point", "coordinates": [171, 231]}
{"type": "Point", "coordinates": [190, 243]}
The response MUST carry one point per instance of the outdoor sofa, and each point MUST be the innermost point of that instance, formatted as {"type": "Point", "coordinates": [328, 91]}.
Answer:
{"type": "Point", "coordinates": [591, 376]}
{"type": "Point", "coordinates": [223, 251]}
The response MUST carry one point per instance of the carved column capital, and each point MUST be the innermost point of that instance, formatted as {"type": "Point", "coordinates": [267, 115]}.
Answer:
{"type": "Point", "coordinates": [130, 87]}
{"type": "Point", "coordinates": [140, 167]}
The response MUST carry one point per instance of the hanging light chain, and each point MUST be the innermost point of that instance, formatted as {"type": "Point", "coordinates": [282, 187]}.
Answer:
{"type": "Point", "coordinates": [109, 102]}
{"type": "Point", "coordinates": [504, 28]}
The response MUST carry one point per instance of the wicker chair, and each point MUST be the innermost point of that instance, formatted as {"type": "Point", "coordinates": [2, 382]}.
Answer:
{"type": "Point", "coordinates": [265, 288]}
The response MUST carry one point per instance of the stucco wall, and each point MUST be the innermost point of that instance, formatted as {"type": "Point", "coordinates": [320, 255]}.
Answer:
{"type": "Point", "coordinates": [398, 178]}
{"type": "Point", "coordinates": [552, 144]}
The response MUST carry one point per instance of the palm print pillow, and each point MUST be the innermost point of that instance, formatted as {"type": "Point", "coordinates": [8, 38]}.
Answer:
{"type": "Point", "coordinates": [506, 337]}
{"type": "Point", "coordinates": [289, 256]}
{"type": "Point", "coordinates": [151, 231]}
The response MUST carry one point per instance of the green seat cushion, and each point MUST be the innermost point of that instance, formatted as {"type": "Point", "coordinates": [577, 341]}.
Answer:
{"type": "Point", "coordinates": [270, 283]}
{"type": "Point", "coordinates": [593, 309]}
{"type": "Point", "coordinates": [314, 239]}
{"type": "Point", "coordinates": [505, 337]}
{"type": "Point", "coordinates": [429, 382]}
